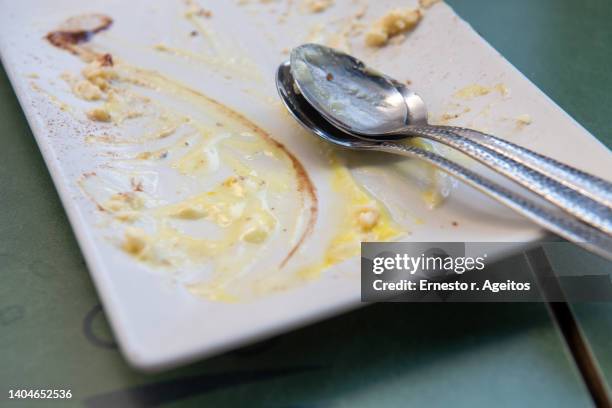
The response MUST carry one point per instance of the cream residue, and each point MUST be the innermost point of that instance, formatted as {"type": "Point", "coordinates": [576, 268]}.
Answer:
{"type": "Point", "coordinates": [394, 23]}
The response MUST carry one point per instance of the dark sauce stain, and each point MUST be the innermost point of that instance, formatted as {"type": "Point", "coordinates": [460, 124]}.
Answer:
{"type": "Point", "coordinates": [79, 29]}
{"type": "Point", "coordinates": [106, 60]}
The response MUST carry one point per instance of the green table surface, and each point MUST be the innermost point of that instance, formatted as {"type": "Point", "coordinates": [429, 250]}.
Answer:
{"type": "Point", "coordinates": [53, 333]}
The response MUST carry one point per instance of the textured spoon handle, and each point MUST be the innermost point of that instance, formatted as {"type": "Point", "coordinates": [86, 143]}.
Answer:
{"type": "Point", "coordinates": [596, 188]}
{"type": "Point", "coordinates": [572, 201]}
{"type": "Point", "coordinates": [563, 225]}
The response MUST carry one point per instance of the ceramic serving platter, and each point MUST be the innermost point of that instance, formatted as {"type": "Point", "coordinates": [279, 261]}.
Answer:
{"type": "Point", "coordinates": [207, 217]}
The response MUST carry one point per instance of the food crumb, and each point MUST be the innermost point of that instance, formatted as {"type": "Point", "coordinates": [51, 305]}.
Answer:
{"type": "Point", "coordinates": [190, 213]}
{"type": "Point", "coordinates": [367, 218]}
{"type": "Point", "coordinates": [256, 235]}
{"type": "Point", "coordinates": [523, 120]}
{"type": "Point", "coordinates": [195, 10]}
{"type": "Point", "coordinates": [86, 90]}
{"type": "Point", "coordinates": [99, 73]}
{"type": "Point", "coordinates": [135, 241]}
{"type": "Point", "coordinates": [99, 115]}
{"type": "Point", "coordinates": [502, 89]}
{"type": "Point", "coordinates": [124, 206]}
{"type": "Point", "coordinates": [427, 3]}
{"type": "Point", "coordinates": [472, 91]}
{"type": "Point", "coordinates": [449, 116]}
{"type": "Point", "coordinates": [360, 13]}
{"type": "Point", "coordinates": [394, 23]}
{"type": "Point", "coordinates": [319, 6]}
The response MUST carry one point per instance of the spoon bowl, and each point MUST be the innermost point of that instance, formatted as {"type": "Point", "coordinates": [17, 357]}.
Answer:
{"type": "Point", "coordinates": [309, 117]}
{"type": "Point", "coordinates": [355, 98]}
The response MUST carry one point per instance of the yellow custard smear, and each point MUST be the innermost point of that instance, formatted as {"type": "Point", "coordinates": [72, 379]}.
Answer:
{"type": "Point", "coordinates": [364, 219]}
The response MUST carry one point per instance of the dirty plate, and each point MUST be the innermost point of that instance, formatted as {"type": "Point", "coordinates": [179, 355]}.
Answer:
{"type": "Point", "coordinates": [207, 217]}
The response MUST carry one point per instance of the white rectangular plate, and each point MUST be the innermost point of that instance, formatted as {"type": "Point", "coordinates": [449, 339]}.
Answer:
{"type": "Point", "coordinates": [160, 324]}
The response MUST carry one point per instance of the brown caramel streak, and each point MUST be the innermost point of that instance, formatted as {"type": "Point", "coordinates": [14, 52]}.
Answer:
{"type": "Point", "coordinates": [68, 38]}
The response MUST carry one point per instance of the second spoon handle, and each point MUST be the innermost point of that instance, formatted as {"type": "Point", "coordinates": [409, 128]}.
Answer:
{"type": "Point", "coordinates": [596, 188]}
{"type": "Point", "coordinates": [570, 200]}
{"type": "Point", "coordinates": [565, 226]}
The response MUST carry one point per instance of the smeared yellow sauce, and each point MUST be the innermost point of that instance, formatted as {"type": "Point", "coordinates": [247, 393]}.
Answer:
{"type": "Point", "coordinates": [236, 206]}
{"type": "Point", "coordinates": [364, 220]}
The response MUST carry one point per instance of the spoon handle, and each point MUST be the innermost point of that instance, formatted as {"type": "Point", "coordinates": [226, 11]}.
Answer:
{"type": "Point", "coordinates": [563, 225]}
{"type": "Point", "coordinates": [570, 200]}
{"type": "Point", "coordinates": [596, 188]}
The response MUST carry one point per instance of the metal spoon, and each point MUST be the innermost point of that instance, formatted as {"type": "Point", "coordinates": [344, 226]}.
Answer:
{"type": "Point", "coordinates": [596, 188]}
{"type": "Point", "coordinates": [565, 226]}
{"type": "Point", "coordinates": [370, 105]}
